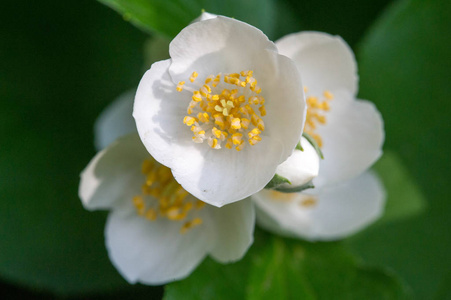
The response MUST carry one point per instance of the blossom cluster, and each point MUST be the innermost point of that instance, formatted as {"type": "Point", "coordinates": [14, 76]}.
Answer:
{"type": "Point", "coordinates": [233, 130]}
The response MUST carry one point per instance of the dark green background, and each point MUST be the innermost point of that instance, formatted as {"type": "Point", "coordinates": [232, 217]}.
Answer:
{"type": "Point", "coordinates": [62, 62]}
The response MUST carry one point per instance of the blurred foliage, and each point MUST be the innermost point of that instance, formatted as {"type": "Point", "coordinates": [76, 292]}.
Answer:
{"type": "Point", "coordinates": [404, 198]}
{"type": "Point", "coordinates": [276, 268]}
{"type": "Point", "coordinates": [62, 62]}
{"type": "Point", "coordinates": [404, 68]}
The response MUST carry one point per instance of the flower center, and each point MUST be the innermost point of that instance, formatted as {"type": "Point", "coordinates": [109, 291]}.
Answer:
{"type": "Point", "coordinates": [316, 109]}
{"type": "Point", "coordinates": [226, 110]}
{"type": "Point", "coordinates": [163, 197]}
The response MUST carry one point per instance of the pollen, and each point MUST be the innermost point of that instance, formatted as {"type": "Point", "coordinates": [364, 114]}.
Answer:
{"type": "Point", "coordinates": [180, 86]}
{"type": "Point", "coordinates": [316, 114]}
{"type": "Point", "coordinates": [226, 110]}
{"type": "Point", "coordinates": [164, 198]}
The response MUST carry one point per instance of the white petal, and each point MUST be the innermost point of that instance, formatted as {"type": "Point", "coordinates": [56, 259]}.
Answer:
{"type": "Point", "coordinates": [216, 45]}
{"type": "Point", "coordinates": [352, 139]}
{"type": "Point", "coordinates": [326, 62]}
{"type": "Point", "coordinates": [219, 177]}
{"type": "Point", "coordinates": [339, 211]}
{"type": "Point", "coordinates": [301, 166]}
{"type": "Point", "coordinates": [154, 252]}
{"type": "Point", "coordinates": [115, 121]}
{"type": "Point", "coordinates": [234, 225]}
{"type": "Point", "coordinates": [113, 175]}
{"type": "Point", "coordinates": [159, 111]}
{"type": "Point", "coordinates": [204, 16]}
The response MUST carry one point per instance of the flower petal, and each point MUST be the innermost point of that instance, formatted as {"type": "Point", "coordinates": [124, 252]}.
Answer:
{"type": "Point", "coordinates": [326, 62]}
{"type": "Point", "coordinates": [115, 121]}
{"type": "Point", "coordinates": [301, 166]}
{"type": "Point", "coordinates": [234, 229]}
{"type": "Point", "coordinates": [154, 252]}
{"type": "Point", "coordinates": [352, 139]}
{"type": "Point", "coordinates": [216, 45]}
{"type": "Point", "coordinates": [204, 16]}
{"type": "Point", "coordinates": [113, 175]}
{"type": "Point", "coordinates": [339, 211]}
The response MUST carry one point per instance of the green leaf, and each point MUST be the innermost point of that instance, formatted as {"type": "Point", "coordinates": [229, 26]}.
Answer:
{"type": "Point", "coordinates": [404, 64]}
{"type": "Point", "coordinates": [170, 17]}
{"type": "Point", "coordinates": [276, 181]}
{"type": "Point", "coordinates": [277, 268]}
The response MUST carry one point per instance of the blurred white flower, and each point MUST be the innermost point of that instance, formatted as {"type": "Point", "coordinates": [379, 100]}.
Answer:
{"type": "Point", "coordinates": [350, 134]}
{"type": "Point", "coordinates": [223, 112]}
{"type": "Point", "coordinates": [156, 232]}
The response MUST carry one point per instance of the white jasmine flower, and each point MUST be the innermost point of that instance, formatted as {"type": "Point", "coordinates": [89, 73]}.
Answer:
{"type": "Point", "coordinates": [223, 112]}
{"type": "Point", "coordinates": [156, 232]}
{"type": "Point", "coordinates": [350, 135]}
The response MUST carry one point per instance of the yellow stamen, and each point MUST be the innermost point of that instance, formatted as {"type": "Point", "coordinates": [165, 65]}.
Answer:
{"type": "Point", "coordinates": [233, 105]}
{"type": "Point", "coordinates": [193, 76]}
{"type": "Point", "coordinates": [163, 197]}
{"type": "Point", "coordinates": [180, 86]}
{"type": "Point", "coordinates": [315, 114]}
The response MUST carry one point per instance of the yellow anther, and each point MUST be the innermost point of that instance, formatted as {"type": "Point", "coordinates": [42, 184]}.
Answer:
{"type": "Point", "coordinates": [236, 138]}
{"type": "Point", "coordinates": [235, 81]}
{"type": "Point", "coordinates": [213, 143]}
{"type": "Point", "coordinates": [240, 146]}
{"type": "Point", "coordinates": [203, 117]}
{"type": "Point", "coordinates": [199, 204]}
{"type": "Point", "coordinates": [205, 89]}
{"type": "Point", "coordinates": [245, 123]}
{"type": "Point", "coordinates": [254, 119]}
{"type": "Point", "coordinates": [180, 86]}
{"type": "Point", "coordinates": [328, 95]}
{"type": "Point", "coordinates": [197, 96]}
{"type": "Point", "coordinates": [214, 97]}
{"type": "Point", "coordinates": [321, 119]}
{"type": "Point", "coordinates": [151, 214]}
{"type": "Point", "coordinates": [254, 140]}
{"type": "Point", "coordinates": [254, 132]}
{"type": "Point", "coordinates": [216, 132]}
{"type": "Point", "coordinates": [225, 93]}
{"type": "Point", "coordinates": [325, 106]}
{"type": "Point", "coordinates": [229, 143]}
{"type": "Point", "coordinates": [308, 202]}
{"type": "Point", "coordinates": [260, 125]}
{"type": "Point", "coordinates": [254, 100]}
{"type": "Point", "coordinates": [189, 120]}
{"type": "Point", "coordinates": [236, 123]}
{"type": "Point", "coordinates": [174, 214]}
{"type": "Point", "coordinates": [147, 166]}
{"type": "Point", "coordinates": [190, 224]}
{"type": "Point", "coordinates": [209, 79]}
{"type": "Point", "coordinates": [262, 110]}
{"type": "Point", "coordinates": [193, 76]}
